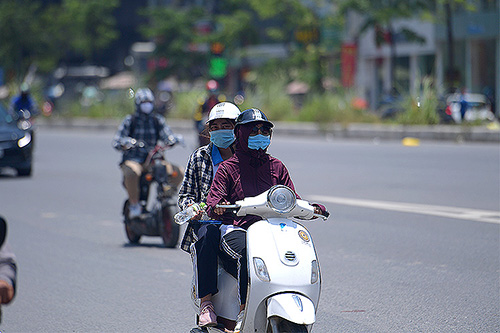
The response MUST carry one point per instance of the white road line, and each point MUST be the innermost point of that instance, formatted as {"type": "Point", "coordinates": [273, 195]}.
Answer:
{"type": "Point", "coordinates": [488, 216]}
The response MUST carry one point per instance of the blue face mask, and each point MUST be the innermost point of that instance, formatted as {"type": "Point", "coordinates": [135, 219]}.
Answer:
{"type": "Point", "coordinates": [259, 141]}
{"type": "Point", "coordinates": [222, 138]}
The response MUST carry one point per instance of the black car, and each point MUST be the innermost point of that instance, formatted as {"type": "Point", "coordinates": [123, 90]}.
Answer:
{"type": "Point", "coordinates": [16, 141]}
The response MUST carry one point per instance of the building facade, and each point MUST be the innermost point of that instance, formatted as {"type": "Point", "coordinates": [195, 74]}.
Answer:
{"type": "Point", "coordinates": [476, 43]}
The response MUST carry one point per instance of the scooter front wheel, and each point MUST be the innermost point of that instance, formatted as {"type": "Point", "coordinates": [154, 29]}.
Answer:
{"type": "Point", "coordinates": [279, 325]}
{"type": "Point", "coordinates": [132, 237]}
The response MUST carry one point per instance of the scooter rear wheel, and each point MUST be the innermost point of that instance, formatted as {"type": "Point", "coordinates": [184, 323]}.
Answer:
{"type": "Point", "coordinates": [169, 231]}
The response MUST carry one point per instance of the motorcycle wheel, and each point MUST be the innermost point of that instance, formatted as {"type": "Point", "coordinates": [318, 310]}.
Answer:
{"type": "Point", "coordinates": [169, 230]}
{"type": "Point", "coordinates": [132, 237]}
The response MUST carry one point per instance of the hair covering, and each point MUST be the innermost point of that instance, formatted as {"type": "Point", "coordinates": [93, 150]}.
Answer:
{"type": "Point", "coordinates": [242, 132]}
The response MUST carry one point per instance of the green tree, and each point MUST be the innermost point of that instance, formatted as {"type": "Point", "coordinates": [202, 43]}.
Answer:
{"type": "Point", "coordinates": [89, 25]}
{"type": "Point", "coordinates": [172, 29]}
{"type": "Point", "coordinates": [33, 34]}
{"type": "Point", "coordinates": [20, 36]}
{"type": "Point", "coordinates": [297, 24]}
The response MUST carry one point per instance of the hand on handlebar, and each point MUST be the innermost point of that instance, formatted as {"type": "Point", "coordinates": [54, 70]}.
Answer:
{"type": "Point", "coordinates": [130, 143]}
{"type": "Point", "coordinates": [221, 210]}
{"type": "Point", "coordinates": [318, 212]}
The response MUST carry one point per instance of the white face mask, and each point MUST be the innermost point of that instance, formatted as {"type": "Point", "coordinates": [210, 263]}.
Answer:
{"type": "Point", "coordinates": [146, 107]}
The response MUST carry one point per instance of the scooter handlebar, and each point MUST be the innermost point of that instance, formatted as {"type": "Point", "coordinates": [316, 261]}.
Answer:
{"type": "Point", "coordinates": [235, 206]}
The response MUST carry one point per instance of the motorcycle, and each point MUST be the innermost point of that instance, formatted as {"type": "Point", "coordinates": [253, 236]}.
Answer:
{"type": "Point", "coordinates": [158, 205]}
{"type": "Point", "coordinates": [284, 274]}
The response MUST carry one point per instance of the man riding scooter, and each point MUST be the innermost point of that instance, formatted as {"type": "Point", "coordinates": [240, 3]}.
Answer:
{"type": "Point", "coordinates": [144, 126]}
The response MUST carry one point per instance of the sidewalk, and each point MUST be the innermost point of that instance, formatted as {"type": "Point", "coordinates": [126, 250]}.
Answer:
{"type": "Point", "coordinates": [454, 133]}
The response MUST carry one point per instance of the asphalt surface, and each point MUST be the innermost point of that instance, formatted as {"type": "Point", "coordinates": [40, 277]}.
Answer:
{"type": "Point", "coordinates": [390, 260]}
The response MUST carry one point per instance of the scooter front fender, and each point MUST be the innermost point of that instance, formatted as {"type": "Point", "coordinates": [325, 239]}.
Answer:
{"type": "Point", "coordinates": [292, 307]}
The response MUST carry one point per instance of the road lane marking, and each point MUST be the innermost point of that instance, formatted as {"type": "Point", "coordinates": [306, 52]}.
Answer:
{"type": "Point", "coordinates": [488, 216]}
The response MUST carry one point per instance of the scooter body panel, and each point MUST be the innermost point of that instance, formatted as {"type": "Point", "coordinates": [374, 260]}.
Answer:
{"type": "Point", "coordinates": [287, 249]}
{"type": "Point", "coordinates": [292, 307]}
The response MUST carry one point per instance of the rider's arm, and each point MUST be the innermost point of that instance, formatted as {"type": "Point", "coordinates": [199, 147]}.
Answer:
{"type": "Point", "coordinates": [122, 133]}
{"type": "Point", "coordinates": [166, 134]}
{"type": "Point", "coordinates": [286, 180]}
{"type": "Point", "coordinates": [188, 189]}
{"type": "Point", "coordinates": [219, 193]}
{"type": "Point", "coordinates": [8, 274]}
{"type": "Point", "coordinates": [197, 178]}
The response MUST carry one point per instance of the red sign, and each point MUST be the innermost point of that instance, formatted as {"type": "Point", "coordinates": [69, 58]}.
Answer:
{"type": "Point", "coordinates": [348, 61]}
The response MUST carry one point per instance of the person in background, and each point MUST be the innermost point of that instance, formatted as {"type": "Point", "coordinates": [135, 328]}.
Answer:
{"type": "Point", "coordinates": [8, 268]}
{"type": "Point", "coordinates": [203, 241]}
{"type": "Point", "coordinates": [24, 102]}
{"type": "Point", "coordinates": [145, 126]}
{"type": "Point", "coordinates": [464, 105]}
{"type": "Point", "coordinates": [203, 110]}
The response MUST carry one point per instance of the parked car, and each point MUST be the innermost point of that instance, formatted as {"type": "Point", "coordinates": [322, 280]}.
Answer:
{"type": "Point", "coordinates": [477, 107]}
{"type": "Point", "coordinates": [16, 141]}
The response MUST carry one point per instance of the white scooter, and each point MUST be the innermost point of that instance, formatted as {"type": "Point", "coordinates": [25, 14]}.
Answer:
{"type": "Point", "coordinates": [284, 275]}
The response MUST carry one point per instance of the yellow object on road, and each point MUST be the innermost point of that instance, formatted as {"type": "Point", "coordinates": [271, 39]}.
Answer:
{"type": "Point", "coordinates": [410, 142]}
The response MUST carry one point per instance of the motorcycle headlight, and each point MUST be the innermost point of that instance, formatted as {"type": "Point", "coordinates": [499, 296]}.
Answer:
{"type": "Point", "coordinates": [261, 269]}
{"type": "Point", "coordinates": [24, 141]}
{"type": "Point", "coordinates": [281, 199]}
{"type": "Point", "coordinates": [314, 271]}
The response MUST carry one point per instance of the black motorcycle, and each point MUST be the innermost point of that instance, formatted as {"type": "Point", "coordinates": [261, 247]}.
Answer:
{"type": "Point", "coordinates": [158, 190]}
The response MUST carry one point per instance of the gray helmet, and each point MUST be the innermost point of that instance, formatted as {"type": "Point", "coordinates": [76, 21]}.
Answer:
{"type": "Point", "coordinates": [252, 116]}
{"type": "Point", "coordinates": [144, 95]}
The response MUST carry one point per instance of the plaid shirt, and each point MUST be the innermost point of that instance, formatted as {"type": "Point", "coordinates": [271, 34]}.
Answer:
{"type": "Point", "coordinates": [195, 186]}
{"type": "Point", "coordinates": [145, 130]}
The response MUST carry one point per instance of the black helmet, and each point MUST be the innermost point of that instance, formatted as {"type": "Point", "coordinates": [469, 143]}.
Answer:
{"type": "Point", "coordinates": [252, 116]}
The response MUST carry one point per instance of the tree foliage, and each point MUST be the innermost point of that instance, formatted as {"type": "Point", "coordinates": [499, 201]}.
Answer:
{"type": "Point", "coordinates": [20, 38]}
{"type": "Point", "coordinates": [173, 31]}
{"type": "Point", "coordinates": [31, 33]}
{"type": "Point", "coordinates": [89, 24]}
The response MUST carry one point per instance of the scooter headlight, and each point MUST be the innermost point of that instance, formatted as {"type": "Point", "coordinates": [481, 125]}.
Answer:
{"type": "Point", "coordinates": [314, 271]}
{"type": "Point", "coordinates": [261, 269]}
{"type": "Point", "coordinates": [281, 199]}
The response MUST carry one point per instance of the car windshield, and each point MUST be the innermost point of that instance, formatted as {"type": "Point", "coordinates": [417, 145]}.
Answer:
{"type": "Point", "coordinates": [5, 115]}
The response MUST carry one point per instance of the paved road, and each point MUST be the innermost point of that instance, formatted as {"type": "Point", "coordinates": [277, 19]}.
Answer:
{"type": "Point", "coordinates": [412, 245]}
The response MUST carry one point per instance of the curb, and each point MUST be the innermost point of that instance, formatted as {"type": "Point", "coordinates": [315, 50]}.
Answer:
{"type": "Point", "coordinates": [455, 133]}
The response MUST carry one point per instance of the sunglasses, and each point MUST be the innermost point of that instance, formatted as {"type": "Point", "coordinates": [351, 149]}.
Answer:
{"type": "Point", "coordinates": [264, 130]}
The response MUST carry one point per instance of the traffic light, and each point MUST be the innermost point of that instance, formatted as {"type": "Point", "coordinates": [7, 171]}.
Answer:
{"type": "Point", "coordinates": [218, 67]}
{"type": "Point", "coordinates": [218, 64]}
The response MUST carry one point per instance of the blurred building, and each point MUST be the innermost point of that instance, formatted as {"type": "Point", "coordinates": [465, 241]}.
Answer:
{"type": "Point", "coordinates": [476, 45]}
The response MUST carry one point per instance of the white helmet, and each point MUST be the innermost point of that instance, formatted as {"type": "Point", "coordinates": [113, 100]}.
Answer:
{"type": "Point", "coordinates": [144, 95]}
{"type": "Point", "coordinates": [224, 110]}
